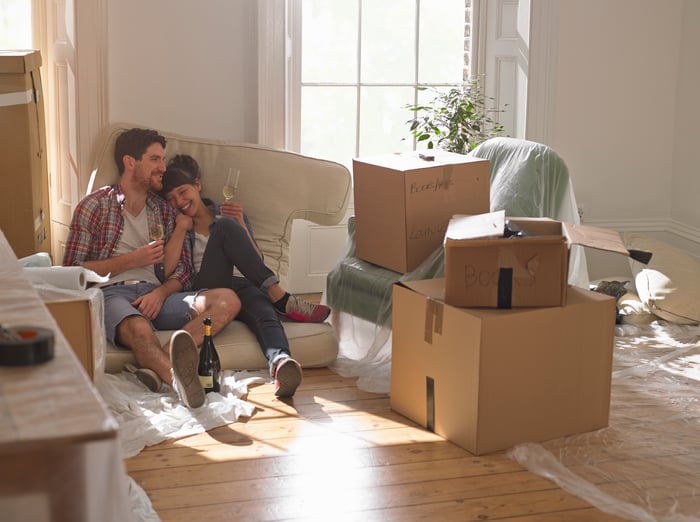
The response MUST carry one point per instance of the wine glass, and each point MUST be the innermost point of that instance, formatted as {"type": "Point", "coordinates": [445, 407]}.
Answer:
{"type": "Point", "coordinates": [231, 185]}
{"type": "Point", "coordinates": [155, 232]}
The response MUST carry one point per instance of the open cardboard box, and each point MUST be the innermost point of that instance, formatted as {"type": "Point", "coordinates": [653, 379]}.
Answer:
{"type": "Point", "coordinates": [485, 269]}
{"type": "Point", "coordinates": [487, 379]}
{"type": "Point", "coordinates": [403, 203]}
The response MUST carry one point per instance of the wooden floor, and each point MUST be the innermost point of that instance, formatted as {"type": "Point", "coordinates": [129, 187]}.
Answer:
{"type": "Point", "coordinates": [337, 453]}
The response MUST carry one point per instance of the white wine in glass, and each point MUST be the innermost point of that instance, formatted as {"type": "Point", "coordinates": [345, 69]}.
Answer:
{"type": "Point", "coordinates": [231, 185]}
{"type": "Point", "coordinates": [156, 232]}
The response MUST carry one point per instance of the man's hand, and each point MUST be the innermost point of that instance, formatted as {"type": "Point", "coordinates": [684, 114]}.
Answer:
{"type": "Point", "coordinates": [150, 304]}
{"type": "Point", "coordinates": [233, 210]}
{"type": "Point", "coordinates": [149, 254]}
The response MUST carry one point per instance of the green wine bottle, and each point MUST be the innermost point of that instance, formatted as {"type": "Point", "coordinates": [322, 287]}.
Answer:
{"type": "Point", "coordinates": [209, 364]}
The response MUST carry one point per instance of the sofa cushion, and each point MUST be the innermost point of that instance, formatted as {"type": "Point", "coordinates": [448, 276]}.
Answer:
{"type": "Point", "coordinates": [313, 345]}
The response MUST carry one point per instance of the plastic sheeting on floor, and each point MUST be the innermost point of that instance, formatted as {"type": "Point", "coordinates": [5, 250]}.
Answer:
{"type": "Point", "coordinates": [646, 464]}
{"type": "Point", "coordinates": [146, 418]}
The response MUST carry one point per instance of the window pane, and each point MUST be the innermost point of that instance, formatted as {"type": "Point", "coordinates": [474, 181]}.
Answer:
{"type": "Point", "coordinates": [328, 120]}
{"type": "Point", "coordinates": [15, 24]}
{"type": "Point", "coordinates": [441, 37]}
{"type": "Point", "coordinates": [388, 41]}
{"type": "Point", "coordinates": [329, 41]}
{"type": "Point", "coordinates": [383, 120]}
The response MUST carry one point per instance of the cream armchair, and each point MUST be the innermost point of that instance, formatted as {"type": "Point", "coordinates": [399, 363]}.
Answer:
{"type": "Point", "coordinates": [275, 188]}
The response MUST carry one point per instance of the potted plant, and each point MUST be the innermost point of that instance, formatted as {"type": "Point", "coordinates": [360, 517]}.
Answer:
{"type": "Point", "coordinates": [456, 120]}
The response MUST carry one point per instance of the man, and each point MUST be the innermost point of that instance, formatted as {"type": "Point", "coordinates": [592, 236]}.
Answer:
{"type": "Point", "coordinates": [109, 234]}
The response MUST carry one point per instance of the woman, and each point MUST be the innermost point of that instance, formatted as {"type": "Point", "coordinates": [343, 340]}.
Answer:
{"type": "Point", "coordinates": [221, 239]}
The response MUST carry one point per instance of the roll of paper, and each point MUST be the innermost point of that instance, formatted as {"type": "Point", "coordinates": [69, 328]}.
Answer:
{"type": "Point", "coordinates": [67, 277]}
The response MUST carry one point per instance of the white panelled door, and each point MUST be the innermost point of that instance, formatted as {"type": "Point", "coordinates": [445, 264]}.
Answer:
{"type": "Point", "coordinates": [502, 51]}
{"type": "Point", "coordinates": [74, 103]}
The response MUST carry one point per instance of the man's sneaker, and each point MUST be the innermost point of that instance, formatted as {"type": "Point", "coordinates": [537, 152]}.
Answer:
{"type": "Point", "coordinates": [302, 311]}
{"type": "Point", "coordinates": [287, 373]}
{"type": "Point", "coordinates": [147, 376]}
{"type": "Point", "coordinates": [184, 359]}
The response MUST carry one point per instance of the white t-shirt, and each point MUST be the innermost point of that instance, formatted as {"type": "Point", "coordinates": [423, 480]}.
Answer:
{"type": "Point", "coordinates": [134, 235]}
{"type": "Point", "coordinates": [200, 244]}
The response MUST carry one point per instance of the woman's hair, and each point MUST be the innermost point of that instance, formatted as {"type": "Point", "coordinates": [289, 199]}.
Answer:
{"type": "Point", "coordinates": [182, 169]}
{"type": "Point", "coordinates": [187, 163]}
{"type": "Point", "coordinates": [173, 177]}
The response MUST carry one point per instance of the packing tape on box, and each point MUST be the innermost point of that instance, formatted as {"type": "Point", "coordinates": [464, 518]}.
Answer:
{"type": "Point", "coordinates": [25, 345]}
{"type": "Point", "coordinates": [10, 99]}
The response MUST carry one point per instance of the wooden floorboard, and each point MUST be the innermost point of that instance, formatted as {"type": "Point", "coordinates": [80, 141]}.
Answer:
{"type": "Point", "coordinates": [335, 452]}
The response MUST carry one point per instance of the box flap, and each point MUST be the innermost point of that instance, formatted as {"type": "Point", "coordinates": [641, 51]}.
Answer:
{"type": "Point", "coordinates": [432, 288]}
{"type": "Point", "coordinates": [472, 227]}
{"type": "Point", "coordinates": [407, 161]}
{"type": "Point", "coordinates": [595, 237]}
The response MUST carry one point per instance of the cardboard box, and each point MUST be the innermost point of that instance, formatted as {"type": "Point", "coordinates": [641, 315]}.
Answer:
{"type": "Point", "coordinates": [488, 379]}
{"type": "Point", "coordinates": [74, 318]}
{"type": "Point", "coordinates": [24, 210]}
{"type": "Point", "coordinates": [403, 204]}
{"type": "Point", "coordinates": [510, 272]}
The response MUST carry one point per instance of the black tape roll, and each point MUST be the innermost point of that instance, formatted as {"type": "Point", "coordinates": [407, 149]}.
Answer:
{"type": "Point", "coordinates": [25, 345]}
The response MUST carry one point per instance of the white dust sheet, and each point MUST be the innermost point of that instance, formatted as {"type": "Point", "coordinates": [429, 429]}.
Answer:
{"type": "Point", "coordinates": [646, 464]}
{"type": "Point", "coordinates": [146, 418]}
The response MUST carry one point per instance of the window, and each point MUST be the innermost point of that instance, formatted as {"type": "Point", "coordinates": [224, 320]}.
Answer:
{"type": "Point", "coordinates": [359, 62]}
{"type": "Point", "coordinates": [15, 24]}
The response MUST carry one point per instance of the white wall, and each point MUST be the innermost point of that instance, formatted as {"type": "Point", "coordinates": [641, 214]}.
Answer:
{"type": "Point", "coordinates": [625, 116]}
{"type": "Point", "coordinates": [685, 186]}
{"type": "Point", "coordinates": [615, 109]}
{"type": "Point", "coordinates": [184, 66]}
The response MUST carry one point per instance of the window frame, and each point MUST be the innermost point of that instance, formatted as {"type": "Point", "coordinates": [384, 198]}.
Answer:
{"type": "Point", "coordinates": [279, 47]}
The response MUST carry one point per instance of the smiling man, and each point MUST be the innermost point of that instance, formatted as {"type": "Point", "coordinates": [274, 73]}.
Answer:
{"type": "Point", "coordinates": [109, 234]}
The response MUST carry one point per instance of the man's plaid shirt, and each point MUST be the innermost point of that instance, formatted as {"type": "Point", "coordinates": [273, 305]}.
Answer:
{"type": "Point", "coordinates": [98, 222]}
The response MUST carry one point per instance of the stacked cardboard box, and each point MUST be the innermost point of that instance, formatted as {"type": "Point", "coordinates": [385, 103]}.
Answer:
{"type": "Point", "coordinates": [502, 351]}
{"type": "Point", "coordinates": [403, 203]}
{"type": "Point", "coordinates": [488, 378]}
{"type": "Point", "coordinates": [24, 204]}
{"type": "Point", "coordinates": [484, 268]}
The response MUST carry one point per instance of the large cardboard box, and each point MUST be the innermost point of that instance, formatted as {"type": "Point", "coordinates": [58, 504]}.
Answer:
{"type": "Point", "coordinates": [487, 379]}
{"type": "Point", "coordinates": [24, 205]}
{"type": "Point", "coordinates": [74, 318]}
{"type": "Point", "coordinates": [483, 270]}
{"type": "Point", "coordinates": [403, 204]}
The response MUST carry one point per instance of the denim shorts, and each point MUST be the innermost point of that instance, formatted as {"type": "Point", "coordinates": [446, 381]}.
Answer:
{"type": "Point", "coordinates": [175, 313]}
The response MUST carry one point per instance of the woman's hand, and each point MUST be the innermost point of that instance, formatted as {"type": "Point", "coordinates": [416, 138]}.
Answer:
{"type": "Point", "coordinates": [233, 210]}
{"type": "Point", "coordinates": [183, 222]}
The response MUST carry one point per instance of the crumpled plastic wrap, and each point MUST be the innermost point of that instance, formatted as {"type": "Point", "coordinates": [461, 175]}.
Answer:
{"type": "Point", "coordinates": [646, 464]}
{"type": "Point", "coordinates": [361, 314]}
{"type": "Point", "coordinates": [146, 418]}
